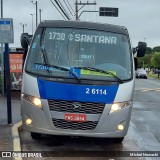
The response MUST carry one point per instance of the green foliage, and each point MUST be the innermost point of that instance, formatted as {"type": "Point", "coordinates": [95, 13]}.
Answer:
{"type": "Point", "coordinates": [155, 61]}
{"type": "Point", "coordinates": [150, 75]}
{"type": "Point", "coordinates": [145, 62]}
{"type": "Point", "coordinates": [151, 58]}
{"type": "Point", "coordinates": [156, 49]}
{"type": "Point", "coordinates": [149, 50]}
{"type": "Point", "coordinates": [140, 62]}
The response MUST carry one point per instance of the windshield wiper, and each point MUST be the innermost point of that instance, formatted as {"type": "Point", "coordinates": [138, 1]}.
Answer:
{"type": "Point", "coordinates": [45, 58]}
{"type": "Point", "coordinates": [101, 71]}
{"type": "Point", "coordinates": [60, 68]}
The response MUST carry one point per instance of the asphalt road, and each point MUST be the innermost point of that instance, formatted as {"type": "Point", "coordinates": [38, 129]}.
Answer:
{"type": "Point", "coordinates": [143, 134]}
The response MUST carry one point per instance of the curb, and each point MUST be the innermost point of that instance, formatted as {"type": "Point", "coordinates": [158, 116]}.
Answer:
{"type": "Point", "coordinates": [16, 140]}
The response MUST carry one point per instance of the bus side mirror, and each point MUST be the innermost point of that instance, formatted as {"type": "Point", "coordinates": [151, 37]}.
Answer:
{"type": "Point", "coordinates": [25, 40]}
{"type": "Point", "coordinates": [140, 49]}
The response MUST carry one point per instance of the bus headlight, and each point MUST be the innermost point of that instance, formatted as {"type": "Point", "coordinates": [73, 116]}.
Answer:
{"type": "Point", "coordinates": [33, 100]}
{"type": "Point", "coordinates": [118, 106]}
{"type": "Point", "coordinates": [28, 121]}
{"type": "Point", "coordinates": [120, 127]}
{"type": "Point", "coordinates": [37, 102]}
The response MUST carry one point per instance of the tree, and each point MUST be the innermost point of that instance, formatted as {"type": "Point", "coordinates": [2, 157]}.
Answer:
{"type": "Point", "coordinates": [155, 61]}
{"type": "Point", "coordinates": [145, 62]}
{"type": "Point", "coordinates": [149, 50]}
{"type": "Point", "coordinates": [156, 49]}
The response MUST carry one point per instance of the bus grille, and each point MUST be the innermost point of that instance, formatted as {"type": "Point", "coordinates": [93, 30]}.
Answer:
{"type": "Point", "coordinates": [68, 106]}
{"type": "Point", "coordinates": [60, 123]}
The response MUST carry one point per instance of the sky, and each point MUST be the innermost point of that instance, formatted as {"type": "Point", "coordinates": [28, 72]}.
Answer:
{"type": "Point", "coordinates": [141, 17]}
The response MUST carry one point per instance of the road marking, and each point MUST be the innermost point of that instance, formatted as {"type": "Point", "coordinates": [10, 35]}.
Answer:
{"type": "Point", "coordinates": [16, 140]}
{"type": "Point", "coordinates": [147, 89]}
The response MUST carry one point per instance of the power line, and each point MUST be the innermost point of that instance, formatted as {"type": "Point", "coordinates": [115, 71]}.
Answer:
{"type": "Point", "coordinates": [68, 7]}
{"type": "Point", "coordinates": [58, 9]}
{"type": "Point", "coordinates": [71, 7]}
{"type": "Point", "coordinates": [62, 10]}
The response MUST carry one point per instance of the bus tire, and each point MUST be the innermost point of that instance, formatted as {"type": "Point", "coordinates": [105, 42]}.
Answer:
{"type": "Point", "coordinates": [35, 135]}
{"type": "Point", "coordinates": [118, 140]}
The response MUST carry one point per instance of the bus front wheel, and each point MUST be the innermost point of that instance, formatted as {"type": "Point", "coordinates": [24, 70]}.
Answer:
{"type": "Point", "coordinates": [35, 135]}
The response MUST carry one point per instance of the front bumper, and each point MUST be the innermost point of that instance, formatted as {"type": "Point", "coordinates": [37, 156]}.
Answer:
{"type": "Point", "coordinates": [42, 121]}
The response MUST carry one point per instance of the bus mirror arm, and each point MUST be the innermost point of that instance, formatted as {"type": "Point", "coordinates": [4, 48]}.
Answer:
{"type": "Point", "coordinates": [135, 63]}
{"type": "Point", "coordinates": [25, 40]}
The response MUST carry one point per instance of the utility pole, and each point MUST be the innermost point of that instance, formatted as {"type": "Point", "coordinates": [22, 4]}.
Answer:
{"type": "Point", "coordinates": [82, 5]}
{"type": "Point", "coordinates": [36, 12]}
{"type": "Point", "coordinates": [40, 11]}
{"type": "Point", "coordinates": [32, 22]}
{"type": "Point", "coordinates": [76, 10]}
{"type": "Point", "coordinates": [143, 57]}
{"type": "Point", "coordinates": [23, 25]}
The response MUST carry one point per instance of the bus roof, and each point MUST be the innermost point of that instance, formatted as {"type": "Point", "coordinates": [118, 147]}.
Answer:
{"type": "Point", "coordinates": [84, 25]}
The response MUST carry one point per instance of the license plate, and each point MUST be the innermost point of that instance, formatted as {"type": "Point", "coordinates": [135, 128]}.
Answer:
{"type": "Point", "coordinates": [75, 117]}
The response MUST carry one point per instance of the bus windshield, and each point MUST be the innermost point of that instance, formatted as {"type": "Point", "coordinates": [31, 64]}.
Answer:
{"type": "Point", "coordinates": [83, 52]}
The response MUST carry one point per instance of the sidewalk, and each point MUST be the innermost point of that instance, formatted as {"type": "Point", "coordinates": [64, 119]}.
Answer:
{"type": "Point", "coordinates": [5, 138]}
{"type": "Point", "coordinates": [6, 143]}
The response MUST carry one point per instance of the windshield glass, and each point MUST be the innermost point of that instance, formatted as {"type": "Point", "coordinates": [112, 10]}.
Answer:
{"type": "Point", "coordinates": [77, 49]}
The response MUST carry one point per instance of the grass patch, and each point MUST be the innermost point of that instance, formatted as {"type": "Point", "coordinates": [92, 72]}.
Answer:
{"type": "Point", "coordinates": [155, 76]}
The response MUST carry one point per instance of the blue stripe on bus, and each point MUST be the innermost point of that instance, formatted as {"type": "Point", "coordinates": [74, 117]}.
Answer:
{"type": "Point", "coordinates": [75, 92]}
